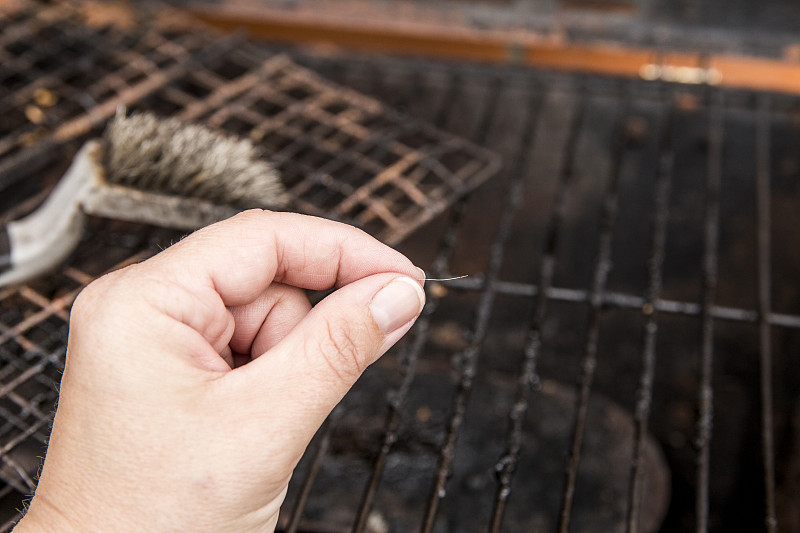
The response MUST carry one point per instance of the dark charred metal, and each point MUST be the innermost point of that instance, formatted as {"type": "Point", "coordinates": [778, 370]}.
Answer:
{"type": "Point", "coordinates": [764, 307]}
{"type": "Point", "coordinates": [634, 244]}
{"type": "Point", "coordinates": [710, 267]}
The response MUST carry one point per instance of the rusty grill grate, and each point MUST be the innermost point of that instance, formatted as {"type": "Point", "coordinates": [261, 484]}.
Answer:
{"type": "Point", "coordinates": [33, 333]}
{"type": "Point", "coordinates": [59, 77]}
{"type": "Point", "coordinates": [343, 155]}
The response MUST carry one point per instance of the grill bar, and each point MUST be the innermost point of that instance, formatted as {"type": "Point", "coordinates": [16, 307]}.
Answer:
{"type": "Point", "coordinates": [710, 266]}
{"type": "Point", "coordinates": [764, 306]}
{"type": "Point", "coordinates": [666, 160]}
{"type": "Point", "coordinates": [397, 400]}
{"type": "Point", "coordinates": [469, 357]}
{"type": "Point", "coordinates": [527, 378]}
{"type": "Point", "coordinates": [618, 300]}
{"type": "Point", "coordinates": [440, 270]}
{"type": "Point", "coordinates": [308, 482]}
{"type": "Point", "coordinates": [408, 364]}
{"type": "Point", "coordinates": [407, 371]}
{"type": "Point", "coordinates": [411, 355]}
{"type": "Point", "coordinates": [600, 277]}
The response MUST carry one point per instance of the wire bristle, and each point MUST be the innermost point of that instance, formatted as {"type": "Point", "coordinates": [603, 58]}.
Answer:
{"type": "Point", "coordinates": [146, 152]}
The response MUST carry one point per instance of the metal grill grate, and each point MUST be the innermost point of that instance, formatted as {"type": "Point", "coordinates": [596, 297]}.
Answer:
{"type": "Point", "coordinates": [74, 81]}
{"type": "Point", "coordinates": [343, 156]}
{"type": "Point", "coordinates": [639, 241]}
{"type": "Point", "coordinates": [33, 334]}
{"type": "Point", "coordinates": [641, 244]}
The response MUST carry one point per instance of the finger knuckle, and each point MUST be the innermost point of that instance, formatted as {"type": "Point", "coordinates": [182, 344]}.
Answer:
{"type": "Point", "coordinates": [98, 300]}
{"type": "Point", "coordinates": [249, 215]}
{"type": "Point", "coordinates": [341, 348]}
{"type": "Point", "coordinates": [92, 296]}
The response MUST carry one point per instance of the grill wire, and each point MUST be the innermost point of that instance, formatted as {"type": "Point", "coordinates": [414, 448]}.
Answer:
{"type": "Point", "coordinates": [579, 255]}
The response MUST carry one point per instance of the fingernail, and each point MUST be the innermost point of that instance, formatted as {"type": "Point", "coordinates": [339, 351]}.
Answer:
{"type": "Point", "coordinates": [422, 274]}
{"type": "Point", "coordinates": [397, 303]}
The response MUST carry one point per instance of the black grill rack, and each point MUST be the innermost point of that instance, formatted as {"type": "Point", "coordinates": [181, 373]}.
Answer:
{"type": "Point", "coordinates": [60, 77]}
{"type": "Point", "coordinates": [634, 261]}
{"type": "Point", "coordinates": [342, 155]}
{"type": "Point", "coordinates": [639, 243]}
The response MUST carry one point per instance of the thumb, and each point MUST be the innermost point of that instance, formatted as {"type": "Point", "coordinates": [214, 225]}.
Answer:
{"type": "Point", "coordinates": [306, 374]}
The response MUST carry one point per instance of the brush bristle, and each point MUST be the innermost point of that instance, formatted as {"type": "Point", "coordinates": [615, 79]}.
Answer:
{"type": "Point", "coordinates": [146, 152]}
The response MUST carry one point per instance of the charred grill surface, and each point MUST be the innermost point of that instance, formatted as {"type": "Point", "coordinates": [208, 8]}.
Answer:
{"type": "Point", "coordinates": [623, 352]}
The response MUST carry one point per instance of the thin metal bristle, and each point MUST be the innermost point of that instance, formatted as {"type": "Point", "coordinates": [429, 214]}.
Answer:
{"type": "Point", "coordinates": [146, 152]}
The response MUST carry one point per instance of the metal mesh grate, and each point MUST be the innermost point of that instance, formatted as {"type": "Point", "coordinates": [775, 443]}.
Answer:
{"type": "Point", "coordinates": [640, 244]}
{"type": "Point", "coordinates": [33, 335]}
{"type": "Point", "coordinates": [59, 77]}
{"type": "Point", "coordinates": [343, 155]}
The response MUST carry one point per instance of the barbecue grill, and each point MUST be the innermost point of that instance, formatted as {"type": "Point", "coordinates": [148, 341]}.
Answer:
{"type": "Point", "coordinates": [622, 356]}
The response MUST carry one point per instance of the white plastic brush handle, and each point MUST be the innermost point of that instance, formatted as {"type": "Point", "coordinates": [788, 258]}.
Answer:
{"type": "Point", "coordinates": [43, 239]}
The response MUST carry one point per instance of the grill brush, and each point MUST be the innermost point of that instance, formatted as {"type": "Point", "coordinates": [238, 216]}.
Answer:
{"type": "Point", "coordinates": [144, 169]}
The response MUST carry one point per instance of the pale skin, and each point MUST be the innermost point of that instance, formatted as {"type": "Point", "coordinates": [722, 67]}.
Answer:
{"type": "Point", "coordinates": [195, 380]}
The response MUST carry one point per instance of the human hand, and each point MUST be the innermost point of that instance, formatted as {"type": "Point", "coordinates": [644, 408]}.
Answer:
{"type": "Point", "coordinates": [156, 432]}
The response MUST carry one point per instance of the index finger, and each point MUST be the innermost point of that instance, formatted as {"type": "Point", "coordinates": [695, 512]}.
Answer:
{"type": "Point", "coordinates": [238, 258]}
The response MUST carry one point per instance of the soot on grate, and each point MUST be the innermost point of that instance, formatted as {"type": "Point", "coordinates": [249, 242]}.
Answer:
{"type": "Point", "coordinates": [343, 155]}
{"type": "Point", "coordinates": [621, 356]}
{"type": "Point", "coordinates": [638, 246]}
